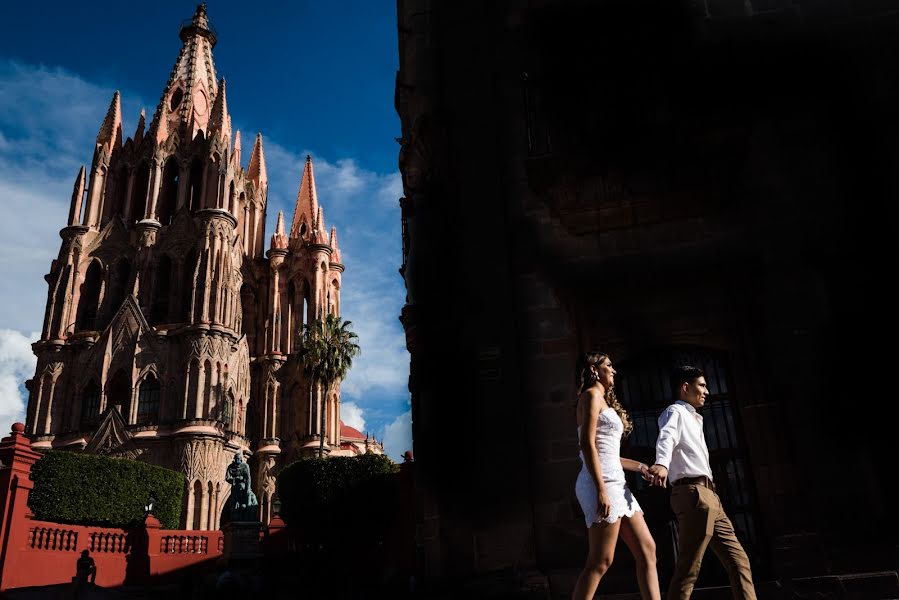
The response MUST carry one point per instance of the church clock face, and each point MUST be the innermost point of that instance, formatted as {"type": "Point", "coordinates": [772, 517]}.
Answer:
{"type": "Point", "coordinates": [200, 102]}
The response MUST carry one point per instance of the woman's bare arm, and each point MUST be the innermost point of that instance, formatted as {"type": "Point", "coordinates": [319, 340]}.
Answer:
{"type": "Point", "coordinates": [592, 405]}
{"type": "Point", "coordinates": [633, 465]}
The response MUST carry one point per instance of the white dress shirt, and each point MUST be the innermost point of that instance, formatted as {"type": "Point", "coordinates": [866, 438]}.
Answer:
{"type": "Point", "coordinates": [681, 446]}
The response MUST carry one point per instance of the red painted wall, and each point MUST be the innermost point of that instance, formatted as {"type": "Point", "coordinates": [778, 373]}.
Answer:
{"type": "Point", "coordinates": [37, 553]}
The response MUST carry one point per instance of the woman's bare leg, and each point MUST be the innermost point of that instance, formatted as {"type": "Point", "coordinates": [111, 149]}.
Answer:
{"type": "Point", "coordinates": [636, 536]}
{"type": "Point", "coordinates": [601, 538]}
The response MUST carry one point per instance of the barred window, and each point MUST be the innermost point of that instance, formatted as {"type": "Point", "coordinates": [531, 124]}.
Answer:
{"type": "Point", "coordinates": [90, 404]}
{"type": "Point", "coordinates": [148, 401]}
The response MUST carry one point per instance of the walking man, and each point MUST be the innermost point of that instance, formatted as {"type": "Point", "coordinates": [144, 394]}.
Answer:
{"type": "Point", "coordinates": [682, 458]}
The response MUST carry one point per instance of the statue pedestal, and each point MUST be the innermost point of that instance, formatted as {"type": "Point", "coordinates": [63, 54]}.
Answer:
{"type": "Point", "coordinates": [242, 541]}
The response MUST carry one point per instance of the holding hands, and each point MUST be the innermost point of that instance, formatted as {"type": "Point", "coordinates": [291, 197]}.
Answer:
{"type": "Point", "coordinates": [657, 475]}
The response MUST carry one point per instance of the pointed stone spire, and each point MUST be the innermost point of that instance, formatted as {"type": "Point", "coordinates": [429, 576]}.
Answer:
{"type": "Point", "coordinates": [235, 155]}
{"type": "Point", "coordinates": [256, 171]}
{"type": "Point", "coordinates": [335, 255]}
{"type": "Point", "coordinates": [219, 120]}
{"type": "Point", "coordinates": [319, 227]}
{"type": "Point", "coordinates": [77, 198]}
{"type": "Point", "coordinates": [141, 125]}
{"type": "Point", "coordinates": [307, 201]}
{"type": "Point", "coordinates": [192, 84]}
{"type": "Point", "coordinates": [279, 240]}
{"type": "Point", "coordinates": [110, 134]}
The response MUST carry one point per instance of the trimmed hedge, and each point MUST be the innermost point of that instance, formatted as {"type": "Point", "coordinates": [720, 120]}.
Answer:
{"type": "Point", "coordinates": [340, 500]}
{"type": "Point", "coordinates": [85, 489]}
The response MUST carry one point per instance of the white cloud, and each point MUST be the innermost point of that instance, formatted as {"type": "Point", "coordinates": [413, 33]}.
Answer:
{"type": "Point", "coordinates": [398, 436]}
{"type": "Point", "coordinates": [352, 415]}
{"type": "Point", "coordinates": [49, 120]}
{"type": "Point", "coordinates": [354, 200]}
{"type": "Point", "coordinates": [16, 365]}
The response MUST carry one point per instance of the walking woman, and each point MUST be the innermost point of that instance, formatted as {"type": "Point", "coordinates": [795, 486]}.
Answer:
{"type": "Point", "coordinates": [609, 507]}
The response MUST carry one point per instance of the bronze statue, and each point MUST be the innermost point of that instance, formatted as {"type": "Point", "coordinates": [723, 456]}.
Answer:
{"type": "Point", "coordinates": [242, 501]}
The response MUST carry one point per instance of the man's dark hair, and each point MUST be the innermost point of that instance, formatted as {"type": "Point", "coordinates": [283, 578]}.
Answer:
{"type": "Point", "coordinates": [681, 375]}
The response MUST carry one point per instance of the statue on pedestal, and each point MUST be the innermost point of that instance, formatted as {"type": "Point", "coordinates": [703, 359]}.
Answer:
{"type": "Point", "coordinates": [243, 503]}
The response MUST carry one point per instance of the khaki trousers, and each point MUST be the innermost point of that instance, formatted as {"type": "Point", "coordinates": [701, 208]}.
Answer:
{"type": "Point", "coordinates": [701, 522]}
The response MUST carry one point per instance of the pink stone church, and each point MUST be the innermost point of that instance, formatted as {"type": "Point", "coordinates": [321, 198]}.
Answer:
{"type": "Point", "coordinates": [171, 332]}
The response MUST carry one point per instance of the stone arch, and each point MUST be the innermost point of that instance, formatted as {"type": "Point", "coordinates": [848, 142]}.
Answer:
{"type": "Point", "coordinates": [89, 297]}
{"type": "Point", "coordinates": [197, 522]}
{"type": "Point", "coordinates": [213, 178]}
{"type": "Point", "coordinates": [208, 383]}
{"type": "Point", "coordinates": [192, 390]}
{"type": "Point", "coordinates": [232, 199]}
{"type": "Point", "coordinates": [116, 204]}
{"type": "Point", "coordinates": [159, 309]}
{"type": "Point", "coordinates": [168, 191]}
{"type": "Point", "coordinates": [188, 268]}
{"type": "Point", "coordinates": [210, 511]}
{"type": "Point", "coordinates": [201, 285]}
{"type": "Point", "coordinates": [195, 185]}
{"type": "Point", "coordinates": [148, 401]}
{"type": "Point", "coordinates": [119, 391]}
{"type": "Point", "coordinates": [139, 193]}
{"type": "Point", "coordinates": [118, 278]}
{"type": "Point", "coordinates": [90, 404]}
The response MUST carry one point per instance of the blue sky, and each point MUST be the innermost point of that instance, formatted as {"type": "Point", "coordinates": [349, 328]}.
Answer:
{"type": "Point", "coordinates": [313, 78]}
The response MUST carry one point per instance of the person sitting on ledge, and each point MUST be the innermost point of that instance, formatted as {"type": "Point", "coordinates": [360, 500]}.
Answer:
{"type": "Point", "coordinates": [85, 568]}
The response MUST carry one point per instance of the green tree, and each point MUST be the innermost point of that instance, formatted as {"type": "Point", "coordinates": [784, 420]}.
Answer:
{"type": "Point", "coordinates": [328, 349]}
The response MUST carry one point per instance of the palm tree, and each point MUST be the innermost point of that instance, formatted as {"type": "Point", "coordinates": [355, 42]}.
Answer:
{"type": "Point", "coordinates": [328, 349]}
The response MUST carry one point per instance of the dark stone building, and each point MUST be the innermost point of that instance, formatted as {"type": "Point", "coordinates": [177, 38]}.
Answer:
{"type": "Point", "coordinates": [712, 183]}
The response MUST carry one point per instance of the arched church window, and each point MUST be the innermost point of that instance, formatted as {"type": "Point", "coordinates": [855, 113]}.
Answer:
{"type": "Point", "coordinates": [187, 284]}
{"type": "Point", "coordinates": [90, 404]}
{"type": "Point", "coordinates": [227, 411]}
{"type": "Point", "coordinates": [644, 389]}
{"type": "Point", "coordinates": [116, 202]}
{"type": "Point", "coordinates": [89, 303]}
{"type": "Point", "coordinates": [118, 289]}
{"type": "Point", "coordinates": [213, 177]}
{"type": "Point", "coordinates": [148, 401]}
{"type": "Point", "coordinates": [139, 194]}
{"type": "Point", "coordinates": [62, 289]}
{"type": "Point", "coordinates": [168, 192]}
{"type": "Point", "coordinates": [118, 393]}
{"type": "Point", "coordinates": [195, 185]}
{"type": "Point", "coordinates": [175, 100]}
{"type": "Point", "coordinates": [159, 311]}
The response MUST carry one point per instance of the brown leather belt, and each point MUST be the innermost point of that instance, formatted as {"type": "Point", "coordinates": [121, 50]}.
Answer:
{"type": "Point", "coordinates": [701, 480]}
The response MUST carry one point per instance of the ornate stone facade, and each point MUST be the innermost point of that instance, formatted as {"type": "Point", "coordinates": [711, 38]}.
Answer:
{"type": "Point", "coordinates": [170, 333]}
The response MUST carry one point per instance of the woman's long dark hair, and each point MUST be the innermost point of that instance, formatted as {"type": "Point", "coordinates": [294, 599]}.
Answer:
{"type": "Point", "coordinates": [585, 379]}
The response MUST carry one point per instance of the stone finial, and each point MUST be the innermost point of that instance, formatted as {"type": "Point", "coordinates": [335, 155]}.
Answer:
{"type": "Point", "coordinates": [77, 198]}
{"type": "Point", "coordinates": [335, 255]}
{"type": "Point", "coordinates": [219, 120]}
{"type": "Point", "coordinates": [236, 152]}
{"type": "Point", "coordinates": [141, 125]}
{"type": "Point", "coordinates": [279, 240]}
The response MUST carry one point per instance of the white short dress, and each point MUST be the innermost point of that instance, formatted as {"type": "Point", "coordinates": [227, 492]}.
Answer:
{"type": "Point", "coordinates": [608, 443]}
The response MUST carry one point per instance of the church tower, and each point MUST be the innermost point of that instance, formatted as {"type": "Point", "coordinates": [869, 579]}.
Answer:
{"type": "Point", "coordinates": [171, 332]}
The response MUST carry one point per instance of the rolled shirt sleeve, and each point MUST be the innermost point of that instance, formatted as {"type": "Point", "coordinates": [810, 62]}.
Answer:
{"type": "Point", "coordinates": [669, 436]}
